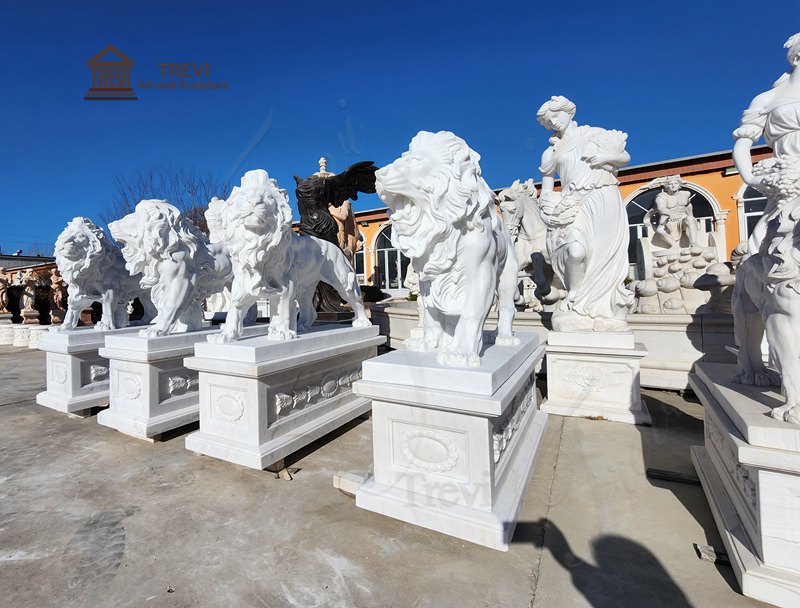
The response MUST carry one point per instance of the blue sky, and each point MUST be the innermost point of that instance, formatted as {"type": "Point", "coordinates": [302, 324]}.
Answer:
{"type": "Point", "coordinates": [356, 80]}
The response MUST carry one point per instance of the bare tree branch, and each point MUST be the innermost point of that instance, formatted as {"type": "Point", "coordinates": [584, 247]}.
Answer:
{"type": "Point", "coordinates": [189, 190]}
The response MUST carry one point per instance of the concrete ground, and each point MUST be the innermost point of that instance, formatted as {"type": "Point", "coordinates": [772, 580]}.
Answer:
{"type": "Point", "coordinates": [91, 517]}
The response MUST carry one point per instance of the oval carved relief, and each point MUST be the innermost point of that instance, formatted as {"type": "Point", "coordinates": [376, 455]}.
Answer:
{"type": "Point", "coordinates": [429, 450]}
{"type": "Point", "coordinates": [60, 372]}
{"type": "Point", "coordinates": [229, 407]}
{"type": "Point", "coordinates": [130, 386]}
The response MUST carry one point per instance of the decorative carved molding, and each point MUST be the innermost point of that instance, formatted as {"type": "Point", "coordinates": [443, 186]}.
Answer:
{"type": "Point", "coordinates": [178, 385]}
{"type": "Point", "coordinates": [98, 373]}
{"type": "Point", "coordinates": [509, 422]}
{"type": "Point", "coordinates": [328, 386]}
{"type": "Point", "coordinates": [591, 378]}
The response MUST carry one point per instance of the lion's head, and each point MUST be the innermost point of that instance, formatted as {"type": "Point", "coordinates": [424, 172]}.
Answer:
{"type": "Point", "coordinates": [152, 233]}
{"type": "Point", "coordinates": [254, 220]}
{"type": "Point", "coordinates": [80, 246]}
{"type": "Point", "coordinates": [434, 192]}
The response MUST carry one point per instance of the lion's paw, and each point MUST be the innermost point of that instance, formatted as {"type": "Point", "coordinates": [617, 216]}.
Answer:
{"type": "Point", "coordinates": [221, 338]}
{"type": "Point", "coordinates": [418, 345]}
{"type": "Point", "coordinates": [103, 325]}
{"type": "Point", "coordinates": [507, 341]}
{"type": "Point", "coordinates": [746, 377]}
{"type": "Point", "coordinates": [151, 332]}
{"type": "Point", "coordinates": [59, 328]}
{"type": "Point", "coordinates": [457, 358]}
{"type": "Point", "coordinates": [780, 413]}
{"type": "Point", "coordinates": [281, 334]}
{"type": "Point", "coordinates": [793, 415]}
{"type": "Point", "coordinates": [767, 378]}
{"type": "Point", "coordinates": [362, 323]}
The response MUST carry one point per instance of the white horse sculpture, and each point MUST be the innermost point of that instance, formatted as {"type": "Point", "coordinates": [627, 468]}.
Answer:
{"type": "Point", "coordinates": [528, 231]}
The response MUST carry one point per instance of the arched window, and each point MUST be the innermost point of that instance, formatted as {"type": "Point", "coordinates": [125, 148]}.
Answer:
{"type": "Point", "coordinates": [359, 262]}
{"type": "Point", "coordinates": [390, 264]}
{"type": "Point", "coordinates": [702, 209]}
{"type": "Point", "coordinates": [752, 203]}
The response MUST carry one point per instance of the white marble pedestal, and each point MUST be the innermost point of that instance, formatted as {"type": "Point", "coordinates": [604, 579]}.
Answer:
{"type": "Point", "coordinates": [35, 333]}
{"type": "Point", "coordinates": [261, 400]}
{"type": "Point", "coordinates": [453, 448]}
{"type": "Point", "coordinates": [77, 376]}
{"type": "Point", "coordinates": [750, 472]}
{"type": "Point", "coordinates": [22, 334]}
{"type": "Point", "coordinates": [150, 389]}
{"type": "Point", "coordinates": [6, 329]}
{"type": "Point", "coordinates": [595, 375]}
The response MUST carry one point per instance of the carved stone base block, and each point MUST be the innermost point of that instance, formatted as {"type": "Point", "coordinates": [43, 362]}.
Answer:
{"type": "Point", "coordinates": [595, 375]}
{"type": "Point", "coordinates": [35, 334]}
{"type": "Point", "coordinates": [6, 329]}
{"type": "Point", "coordinates": [750, 472]}
{"type": "Point", "coordinates": [22, 334]}
{"type": "Point", "coordinates": [261, 400]}
{"type": "Point", "coordinates": [77, 376]}
{"type": "Point", "coordinates": [454, 448]}
{"type": "Point", "coordinates": [150, 389]}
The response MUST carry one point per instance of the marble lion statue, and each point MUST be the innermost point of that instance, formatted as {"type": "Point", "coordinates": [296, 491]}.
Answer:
{"type": "Point", "coordinates": [766, 295]}
{"type": "Point", "coordinates": [94, 269]}
{"type": "Point", "coordinates": [176, 262]}
{"type": "Point", "coordinates": [270, 260]}
{"type": "Point", "coordinates": [443, 218]}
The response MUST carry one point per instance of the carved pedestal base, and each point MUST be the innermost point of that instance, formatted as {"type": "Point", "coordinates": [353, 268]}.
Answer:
{"type": "Point", "coordinates": [22, 334]}
{"type": "Point", "coordinates": [77, 376]}
{"type": "Point", "coordinates": [595, 375]}
{"type": "Point", "coordinates": [6, 329]}
{"type": "Point", "coordinates": [150, 389]}
{"type": "Point", "coordinates": [750, 472]}
{"type": "Point", "coordinates": [261, 400]}
{"type": "Point", "coordinates": [453, 448]}
{"type": "Point", "coordinates": [35, 333]}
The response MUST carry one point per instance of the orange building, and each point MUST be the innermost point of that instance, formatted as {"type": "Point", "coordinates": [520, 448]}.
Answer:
{"type": "Point", "coordinates": [721, 202]}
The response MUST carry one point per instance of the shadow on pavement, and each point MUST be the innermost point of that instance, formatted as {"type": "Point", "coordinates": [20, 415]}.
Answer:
{"type": "Point", "coordinates": [627, 574]}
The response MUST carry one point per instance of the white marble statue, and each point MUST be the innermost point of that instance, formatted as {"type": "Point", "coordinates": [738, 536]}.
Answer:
{"type": "Point", "coordinates": [443, 218]}
{"type": "Point", "coordinates": [94, 270]}
{"type": "Point", "coordinates": [767, 291]}
{"type": "Point", "coordinates": [673, 211]}
{"type": "Point", "coordinates": [270, 260]}
{"type": "Point", "coordinates": [520, 210]}
{"type": "Point", "coordinates": [176, 262]}
{"type": "Point", "coordinates": [587, 238]}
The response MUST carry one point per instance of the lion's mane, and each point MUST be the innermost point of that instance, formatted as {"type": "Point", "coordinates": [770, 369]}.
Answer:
{"type": "Point", "coordinates": [254, 223]}
{"type": "Point", "coordinates": [94, 255]}
{"type": "Point", "coordinates": [455, 199]}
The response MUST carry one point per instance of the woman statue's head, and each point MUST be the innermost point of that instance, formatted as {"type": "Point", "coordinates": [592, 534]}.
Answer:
{"type": "Point", "coordinates": [556, 113]}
